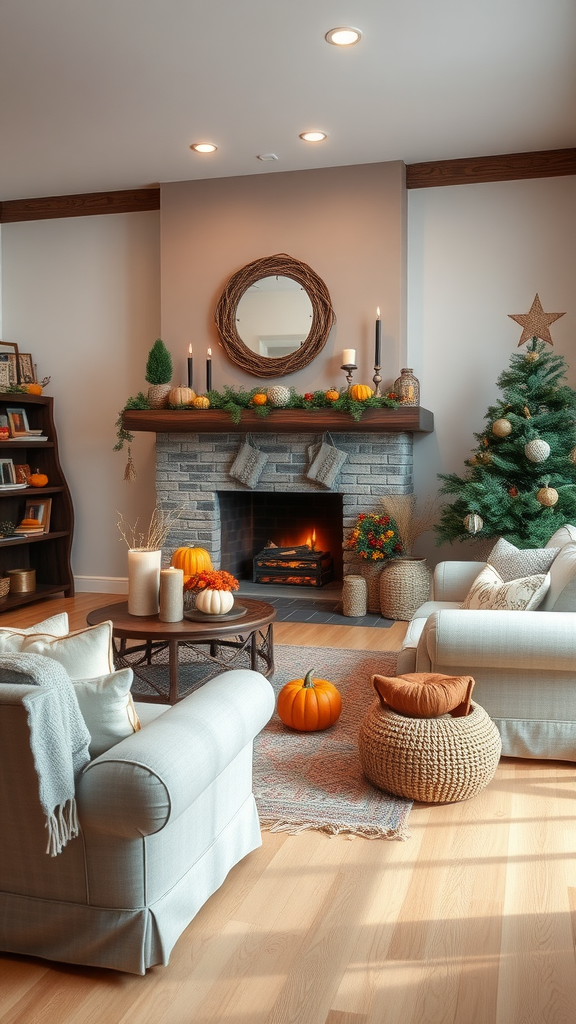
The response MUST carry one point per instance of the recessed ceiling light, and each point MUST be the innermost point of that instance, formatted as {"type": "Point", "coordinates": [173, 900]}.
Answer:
{"type": "Point", "coordinates": [204, 147]}
{"type": "Point", "coordinates": [313, 136]}
{"type": "Point", "coordinates": [265, 157]}
{"type": "Point", "coordinates": [343, 36]}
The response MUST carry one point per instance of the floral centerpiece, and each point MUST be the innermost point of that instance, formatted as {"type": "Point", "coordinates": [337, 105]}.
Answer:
{"type": "Point", "coordinates": [375, 537]}
{"type": "Point", "coordinates": [212, 589]}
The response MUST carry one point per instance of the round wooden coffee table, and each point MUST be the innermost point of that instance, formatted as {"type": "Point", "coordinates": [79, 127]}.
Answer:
{"type": "Point", "coordinates": [212, 646]}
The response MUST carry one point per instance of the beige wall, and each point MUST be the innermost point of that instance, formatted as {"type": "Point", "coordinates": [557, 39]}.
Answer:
{"type": "Point", "coordinates": [347, 223]}
{"type": "Point", "coordinates": [82, 295]}
{"type": "Point", "coordinates": [476, 254]}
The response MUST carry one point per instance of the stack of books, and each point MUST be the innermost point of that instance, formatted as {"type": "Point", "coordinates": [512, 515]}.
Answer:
{"type": "Point", "coordinates": [29, 528]}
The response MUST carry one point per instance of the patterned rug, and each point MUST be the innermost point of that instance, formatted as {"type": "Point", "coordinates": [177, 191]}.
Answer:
{"type": "Point", "coordinates": [314, 780]}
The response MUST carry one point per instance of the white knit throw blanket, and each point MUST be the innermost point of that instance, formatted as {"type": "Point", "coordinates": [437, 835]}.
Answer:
{"type": "Point", "coordinates": [58, 739]}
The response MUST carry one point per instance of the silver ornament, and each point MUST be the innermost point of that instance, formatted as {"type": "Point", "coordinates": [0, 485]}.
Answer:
{"type": "Point", "coordinates": [473, 522]}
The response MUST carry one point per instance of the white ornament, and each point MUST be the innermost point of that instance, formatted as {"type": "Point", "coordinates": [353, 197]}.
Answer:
{"type": "Point", "coordinates": [473, 522]}
{"type": "Point", "coordinates": [537, 450]}
{"type": "Point", "coordinates": [278, 395]}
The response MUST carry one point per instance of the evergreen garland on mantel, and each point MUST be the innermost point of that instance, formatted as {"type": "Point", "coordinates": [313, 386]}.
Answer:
{"type": "Point", "coordinates": [235, 402]}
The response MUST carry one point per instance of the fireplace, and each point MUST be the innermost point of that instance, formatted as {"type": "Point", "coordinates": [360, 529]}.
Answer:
{"type": "Point", "coordinates": [298, 522]}
{"type": "Point", "coordinates": [234, 523]}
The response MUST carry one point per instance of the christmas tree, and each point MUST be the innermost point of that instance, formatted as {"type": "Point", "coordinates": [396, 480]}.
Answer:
{"type": "Point", "coordinates": [521, 478]}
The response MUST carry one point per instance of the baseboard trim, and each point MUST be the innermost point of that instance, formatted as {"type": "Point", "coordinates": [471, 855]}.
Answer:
{"type": "Point", "coordinates": [101, 584]}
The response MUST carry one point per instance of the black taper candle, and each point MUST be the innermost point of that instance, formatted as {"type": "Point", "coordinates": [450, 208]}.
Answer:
{"type": "Point", "coordinates": [190, 367]}
{"type": "Point", "coordinates": [209, 371]}
{"type": "Point", "coordinates": [378, 338]}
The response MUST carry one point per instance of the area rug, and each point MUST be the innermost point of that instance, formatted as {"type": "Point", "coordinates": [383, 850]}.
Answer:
{"type": "Point", "coordinates": [314, 780]}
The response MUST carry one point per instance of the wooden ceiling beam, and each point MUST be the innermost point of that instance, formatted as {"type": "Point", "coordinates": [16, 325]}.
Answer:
{"type": "Point", "coordinates": [88, 204]}
{"type": "Point", "coordinates": [550, 163]}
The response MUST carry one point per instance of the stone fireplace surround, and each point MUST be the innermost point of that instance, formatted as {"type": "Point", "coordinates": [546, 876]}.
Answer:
{"type": "Point", "coordinates": [192, 468]}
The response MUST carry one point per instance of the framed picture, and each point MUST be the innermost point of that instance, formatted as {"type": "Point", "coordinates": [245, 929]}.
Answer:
{"type": "Point", "coordinates": [21, 472]}
{"type": "Point", "coordinates": [39, 510]}
{"type": "Point", "coordinates": [26, 368]}
{"type": "Point", "coordinates": [4, 372]}
{"type": "Point", "coordinates": [9, 354]}
{"type": "Point", "coordinates": [7, 474]}
{"type": "Point", "coordinates": [18, 422]}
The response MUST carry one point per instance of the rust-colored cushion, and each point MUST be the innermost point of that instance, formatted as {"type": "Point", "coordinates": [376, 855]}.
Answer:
{"type": "Point", "coordinates": [425, 694]}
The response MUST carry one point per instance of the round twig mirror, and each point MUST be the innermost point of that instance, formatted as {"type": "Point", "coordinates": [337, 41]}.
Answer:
{"type": "Point", "coordinates": [295, 314]}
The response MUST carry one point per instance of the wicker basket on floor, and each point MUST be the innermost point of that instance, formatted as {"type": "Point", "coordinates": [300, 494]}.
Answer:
{"type": "Point", "coordinates": [4, 586]}
{"type": "Point", "coordinates": [404, 585]}
{"type": "Point", "coordinates": [354, 596]}
{"type": "Point", "coordinates": [434, 760]}
{"type": "Point", "coordinates": [372, 572]}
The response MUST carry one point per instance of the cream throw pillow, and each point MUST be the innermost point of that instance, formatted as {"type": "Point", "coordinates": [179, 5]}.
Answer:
{"type": "Point", "coordinates": [489, 591]}
{"type": "Point", "coordinates": [108, 709]}
{"type": "Point", "coordinates": [56, 625]}
{"type": "Point", "coordinates": [562, 594]}
{"type": "Point", "coordinates": [85, 654]}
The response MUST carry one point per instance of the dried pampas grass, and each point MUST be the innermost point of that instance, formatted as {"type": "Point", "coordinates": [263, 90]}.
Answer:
{"type": "Point", "coordinates": [155, 536]}
{"type": "Point", "coordinates": [412, 520]}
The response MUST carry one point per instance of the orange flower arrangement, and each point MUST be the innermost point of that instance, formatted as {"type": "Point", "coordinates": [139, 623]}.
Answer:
{"type": "Point", "coordinates": [213, 579]}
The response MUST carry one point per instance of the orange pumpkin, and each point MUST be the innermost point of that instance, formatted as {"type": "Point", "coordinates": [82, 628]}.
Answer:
{"type": "Point", "coordinates": [360, 392]}
{"type": "Point", "coordinates": [201, 402]}
{"type": "Point", "coordinates": [34, 389]}
{"type": "Point", "coordinates": [259, 398]}
{"type": "Point", "coordinates": [332, 395]}
{"type": "Point", "coordinates": [191, 560]}
{"type": "Point", "coordinates": [308, 705]}
{"type": "Point", "coordinates": [37, 479]}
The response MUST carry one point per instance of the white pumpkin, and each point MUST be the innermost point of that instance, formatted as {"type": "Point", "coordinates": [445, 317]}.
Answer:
{"type": "Point", "coordinates": [215, 602]}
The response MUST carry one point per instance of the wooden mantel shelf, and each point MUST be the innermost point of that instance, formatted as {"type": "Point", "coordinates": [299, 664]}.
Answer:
{"type": "Point", "coordinates": [286, 421]}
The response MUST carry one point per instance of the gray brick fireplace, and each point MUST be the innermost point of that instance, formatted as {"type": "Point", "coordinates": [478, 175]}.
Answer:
{"type": "Point", "coordinates": [193, 469]}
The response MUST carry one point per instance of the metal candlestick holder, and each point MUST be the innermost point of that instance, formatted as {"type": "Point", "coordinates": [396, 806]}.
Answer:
{"type": "Point", "coordinates": [349, 367]}
{"type": "Point", "coordinates": [377, 379]}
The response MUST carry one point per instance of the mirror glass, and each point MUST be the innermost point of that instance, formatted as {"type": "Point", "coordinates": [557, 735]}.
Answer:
{"type": "Point", "coordinates": [274, 316]}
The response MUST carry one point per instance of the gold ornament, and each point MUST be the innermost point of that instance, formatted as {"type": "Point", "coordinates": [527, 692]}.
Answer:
{"type": "Point", "coordinates": [501, 428]}
{"type": "Point", "coordinates": [572, 455]}
{"type": "Point", "coordinates": [473, 522]}
{"type": "Point", "coordinates": [532, 357]}
{"type": "Point", "coordinates": [537, 450]}
{"type": "Point", "coordinates": [547, 496]}
{"type": "Point", "coordinates": [535, 323]}
{"type": "Point", "coordinates": [527, 413]}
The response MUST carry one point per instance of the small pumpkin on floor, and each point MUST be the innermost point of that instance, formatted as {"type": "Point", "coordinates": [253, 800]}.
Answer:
{"type": "Point", "coordinates": [308, 705]}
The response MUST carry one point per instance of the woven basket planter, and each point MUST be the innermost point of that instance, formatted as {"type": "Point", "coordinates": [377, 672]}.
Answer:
{"type": "Point", "coordinates": [158, 395]}
{"type": "Point", "coordinates": [433, 760]}
{"type": "Point", "coordinates": [354, 596]}
{"type": "Point", "coordinates": [371, 571]}
{"type": "Point", "coordinates": [404, 585]}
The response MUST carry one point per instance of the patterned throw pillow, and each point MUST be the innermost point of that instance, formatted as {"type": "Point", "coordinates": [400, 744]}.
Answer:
{"type": "Point", "coordinates": [512, 562]}
{"type": "Point", "coordinates": [489, 591]}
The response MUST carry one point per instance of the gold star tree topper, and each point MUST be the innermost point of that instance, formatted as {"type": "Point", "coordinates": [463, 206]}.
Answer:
{"type": "Point", "coordinates": [535, 323]}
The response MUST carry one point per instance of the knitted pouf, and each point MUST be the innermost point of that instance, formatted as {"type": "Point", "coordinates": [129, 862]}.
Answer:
{"type": "Point", "coordinates": [433, 760]}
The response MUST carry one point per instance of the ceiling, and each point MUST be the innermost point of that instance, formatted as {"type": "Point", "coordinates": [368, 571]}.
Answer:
{"type": "Point", "coordinates": [111, 94]}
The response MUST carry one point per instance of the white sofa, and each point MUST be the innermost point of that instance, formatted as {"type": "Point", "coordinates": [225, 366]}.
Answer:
{"type": "Point", "coordinates": [164, 815]}
{"type": "Point", "coordinates": [524, 663]}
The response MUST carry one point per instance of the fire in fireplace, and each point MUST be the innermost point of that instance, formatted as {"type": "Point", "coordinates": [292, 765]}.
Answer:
{"type": "Point", "coordinates": [299, 566]}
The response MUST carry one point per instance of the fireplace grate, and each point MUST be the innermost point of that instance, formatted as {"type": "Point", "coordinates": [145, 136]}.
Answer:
{"type": "Point", "coordinates": [296, 567]}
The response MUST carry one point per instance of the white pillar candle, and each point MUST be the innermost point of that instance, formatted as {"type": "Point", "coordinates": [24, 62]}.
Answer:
{"type": "Point", "coordinates": [349, 357]}
{"type": "Point", "coordinates": [143, 581]}
{"type": "Point", "coordinates": [171, 595]}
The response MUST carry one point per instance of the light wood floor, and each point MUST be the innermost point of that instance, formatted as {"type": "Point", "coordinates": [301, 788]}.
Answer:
{"type": "Point", "coordinates": [471, 921]}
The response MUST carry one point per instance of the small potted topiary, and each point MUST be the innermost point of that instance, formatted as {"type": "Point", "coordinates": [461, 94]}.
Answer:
{"type": "Point", "coordinates": [159, 374]}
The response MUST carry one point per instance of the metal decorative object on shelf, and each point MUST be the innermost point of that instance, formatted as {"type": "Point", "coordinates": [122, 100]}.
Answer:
{"type": "Point", "coordinates": [407, 387]}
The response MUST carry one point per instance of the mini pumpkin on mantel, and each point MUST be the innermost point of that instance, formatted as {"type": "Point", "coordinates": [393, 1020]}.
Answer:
{"type": "Point", "coordinates": [309, 705]}
{"type": "Point", "coordinates": [181, 396]}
